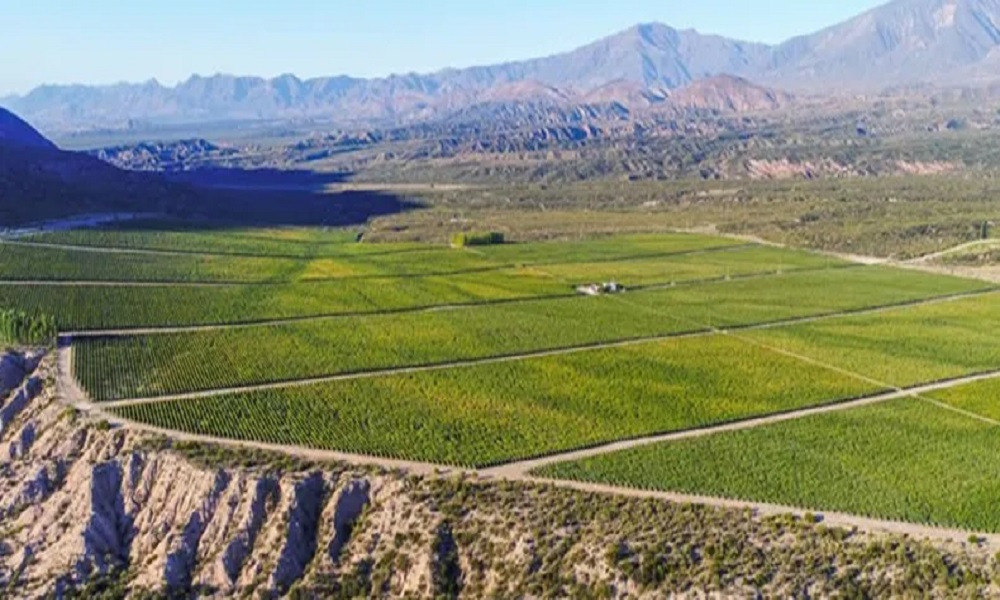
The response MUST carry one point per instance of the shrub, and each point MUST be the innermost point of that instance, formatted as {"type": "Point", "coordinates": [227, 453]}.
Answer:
{"type": "Point", "coordinates": [460, 240]}
{"type": "Point", "coordinates": [21, 328]}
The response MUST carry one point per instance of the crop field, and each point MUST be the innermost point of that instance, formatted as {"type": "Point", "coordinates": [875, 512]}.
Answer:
{"type": "Point", "coordinates": [112, 368]}
{"type": "Point", "coordinates": [291, 288]}
{"type": "Point", "coordinates": [606, 249]}
{"type": "Point", "coordinates": [20, 263]}
{"type": "Point", "coordinates": [735, 262]}
{"type": "Point", "coordinates": [902, 348]}
{"type": "Point", "coordinates": [82, 307]}
{"type": "Point", "coordinates": [282, 243]}
{"type": "Point", "coordinates": [488, 355]}
{"type": "Point", "coordinates": [902, 460]}
{"type": "Point", "coordinates": [981, 399]}
{"type": "Point", "coordinates": [493, 413]}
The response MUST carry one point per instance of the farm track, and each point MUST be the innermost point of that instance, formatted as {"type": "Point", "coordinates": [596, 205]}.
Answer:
{"type": "Point", "coordinates": [696, 332]}
{"type": "Point", "coordinates": [205, 254]}
{"type": "Point", "coordinates": [71, 394]}
{"type": "Point", "coordinates": [521, 469]}
{"type": "Point", "coordinates": [125, 331]}
{"type": "Point", "coordinates": [926, 258]}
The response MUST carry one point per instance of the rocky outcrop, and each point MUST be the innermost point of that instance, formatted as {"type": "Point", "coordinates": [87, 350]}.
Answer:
{"type": "Point", "coordinates": [350, 502]}
{"type": "Point", "coordinates": [300, 539]}
{"type": "Point", "coordinates": [15, 367]}
{"type": "Point", "coordinates": [182, 559]}
{"type": "Point", "coordinates": [108, 535]}
{"type": "Point", "coordinates": [18, 402]}
{"type": "Point", "coordinates": [248, 526]}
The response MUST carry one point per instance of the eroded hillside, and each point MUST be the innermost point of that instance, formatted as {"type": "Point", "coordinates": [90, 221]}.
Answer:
{"type": "Point", "coordinates": [87, 509]}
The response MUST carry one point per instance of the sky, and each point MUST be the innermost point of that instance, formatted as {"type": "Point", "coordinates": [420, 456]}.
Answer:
{"type": "Point", "coordinates": [107, 41]}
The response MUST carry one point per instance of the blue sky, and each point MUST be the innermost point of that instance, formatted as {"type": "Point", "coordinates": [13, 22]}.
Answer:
{"type": "Point", "coordinates": [105, 41]}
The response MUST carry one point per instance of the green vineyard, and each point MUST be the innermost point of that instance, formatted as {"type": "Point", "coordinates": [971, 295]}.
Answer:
{"type": "Point", "coordinates": [902, 460]}
{"type": "Point", "coordinates": [487, 414]}
{"type": "Point", "coordinates": [113, 368]}
{"type": "Point", "coordinates": [490, 354]}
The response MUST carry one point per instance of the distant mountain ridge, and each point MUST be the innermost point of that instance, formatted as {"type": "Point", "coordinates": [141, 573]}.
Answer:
{"type": "Point", "coordinates": [904, 42]}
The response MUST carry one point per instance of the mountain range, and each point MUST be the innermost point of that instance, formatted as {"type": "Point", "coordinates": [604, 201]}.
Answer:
{"type": "Point", "coordinates": [902, 43]}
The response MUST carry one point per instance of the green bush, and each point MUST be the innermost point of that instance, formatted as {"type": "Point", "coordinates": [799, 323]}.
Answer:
{"type": "Point", "coordinates": [21, 328]}
{"type": "Point", "coordinates": [489, 238]}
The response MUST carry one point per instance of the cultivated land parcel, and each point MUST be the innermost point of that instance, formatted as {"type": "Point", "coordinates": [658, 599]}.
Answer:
{"type": "Point", "coordinates": [487, 356]}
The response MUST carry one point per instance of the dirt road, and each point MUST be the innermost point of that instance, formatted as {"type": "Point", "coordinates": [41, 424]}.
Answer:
{"type": "Point", "coordinates": [697, 331]}
{"type": "Point", "coordinates": [71, 394]}
{"type": "Point", "coordinates": [521, 470]}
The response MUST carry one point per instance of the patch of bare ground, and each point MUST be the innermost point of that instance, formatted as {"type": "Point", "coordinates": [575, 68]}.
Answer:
{"type": "Point", "coordinates": [989, 273]}
{"type": "Point", "coordinates": [787, 169]}
{"type": "Point", "coordinates": [86, 503]}
{"type": "Point", "coordinates": [904, 167]}
{"type": "Point", "coordinates": [777, 169]}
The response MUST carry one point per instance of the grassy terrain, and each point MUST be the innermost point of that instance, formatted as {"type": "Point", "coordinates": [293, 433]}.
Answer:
{"type": "Point", "coordinates": [904, 347]}
{"type": "Point", "coordinates": [122, 306]}
{"type": "Point", "coordinates": [904, 460]}
{"type": "Point", "coordinates": [981, 398]}
{"type": "Point", "coordinates": [36, 263]}
{"type": "Point", "coordinates": [150, 365]}
{"type": "Point", "coordinates": [494, 413]}
{"type": "Point", "coordinates": [983, 253]}
{"type": "Point", "coordinates": [282, 243]}
{"type": "Point", "coordinates": [887, 216]}
{"type": "Point", "coordinates": [88, 307]}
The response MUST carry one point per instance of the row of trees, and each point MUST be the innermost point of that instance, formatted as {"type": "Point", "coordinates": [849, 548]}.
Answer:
{"type": "Point", "coordinates": [18, 327]}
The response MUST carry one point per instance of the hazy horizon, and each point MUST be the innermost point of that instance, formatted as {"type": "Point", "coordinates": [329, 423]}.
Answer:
{"type": "Point", "coordinates": [113, 41]}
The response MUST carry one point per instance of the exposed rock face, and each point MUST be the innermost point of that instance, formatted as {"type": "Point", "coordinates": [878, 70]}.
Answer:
{"type": "Point", "coordinates": [347, 508]}
{"type": "Point", "coordinates": [108, 534]}
{"type": "Point", "coordinates": [898, 43]}
{"type": "Point", "coordinates": [181, 561]}
{"type": "Point", "coordinates": [300, 539]}
{"type": "Point", "coordinates": [14, 367]}
{"type": "Point", "coordinates": [31, 388]}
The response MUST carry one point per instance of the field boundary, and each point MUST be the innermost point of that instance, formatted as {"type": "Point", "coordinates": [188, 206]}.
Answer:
{"type": "Point", "coordinates": [519, 469]}
{"type": "Point", "coordinates": [697, 331]}
{"type": "Point", "coordinates": [567, 295]}
{"type": "Point", "coordinates": [179, 252]}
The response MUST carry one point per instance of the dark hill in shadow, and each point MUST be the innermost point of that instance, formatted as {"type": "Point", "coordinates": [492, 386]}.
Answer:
{"type": "Point", "coordinates": [250, 206]}
{"type": "Point", "coordinates": [39, 183]}
{"type": "Point", "coordinates": [259, 179]}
